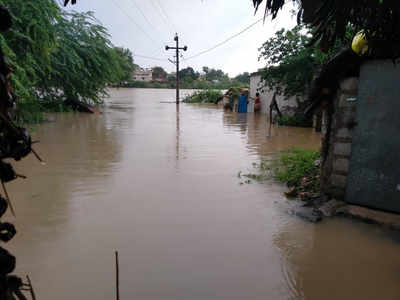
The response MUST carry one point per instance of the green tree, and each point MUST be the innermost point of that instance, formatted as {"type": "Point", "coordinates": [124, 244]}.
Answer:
{"type": "Point", "coordinates": [127, 67]}
{"type": "Point", "coordinates": [188, 74]}
{"type": "Point", "coordinates": [159, 73]}
{"type": "Point", "coordinates": [292, 61]}
{"type": "Point", "coordinates": [57, 55]}
{"type": "Point", "coordinates": [28, 45]}
{"type": "Point", "coordinates": [243, 78]}
{"type": "Point", "coordinates": [215, 75]}
{"type": "Point", "coordinates": [83, 62]}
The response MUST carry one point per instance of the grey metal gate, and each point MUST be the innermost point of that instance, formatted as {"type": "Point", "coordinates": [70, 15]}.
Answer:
{"type": "Point", "coordinates": [374, 174]}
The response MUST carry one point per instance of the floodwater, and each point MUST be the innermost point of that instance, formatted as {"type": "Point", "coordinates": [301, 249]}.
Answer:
{"type": "Point", "coordinates": [161, 187]}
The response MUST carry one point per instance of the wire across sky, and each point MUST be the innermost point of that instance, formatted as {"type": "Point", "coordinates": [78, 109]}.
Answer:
{"type": "Point", "coordinates": [167, 20]}
{"type": "Point", "coordinates": [220, 43]}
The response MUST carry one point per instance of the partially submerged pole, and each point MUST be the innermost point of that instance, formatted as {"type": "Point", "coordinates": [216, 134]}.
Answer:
{"type": "Point", "coordinates": [177, 68]}
{"type": "Point", "coordinates": [177, 48]}
{"type": "Point", "coordinates": [117, 273]}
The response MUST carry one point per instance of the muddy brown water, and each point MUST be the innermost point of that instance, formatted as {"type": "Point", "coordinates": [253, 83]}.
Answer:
{"type": "Point", "coordinates": [161, 187]}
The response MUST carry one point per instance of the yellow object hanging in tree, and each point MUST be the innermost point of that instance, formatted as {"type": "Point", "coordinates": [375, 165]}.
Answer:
{"type": "Point", "coordinates": [360, 43]}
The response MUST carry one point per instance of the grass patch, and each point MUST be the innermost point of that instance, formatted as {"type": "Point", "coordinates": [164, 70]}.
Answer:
{"type": "Point", "coordinates": [299, 170]}
{"type": "Point", "coordinates": [207, 96]}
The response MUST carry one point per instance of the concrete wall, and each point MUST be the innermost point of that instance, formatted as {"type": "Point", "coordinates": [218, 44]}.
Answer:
{"type": "Point", "coordinates": [256, 85]}
{"type": "Point", "coordinates": [337, 132]}
{"type": "Point", "coordinates": [374, 177]}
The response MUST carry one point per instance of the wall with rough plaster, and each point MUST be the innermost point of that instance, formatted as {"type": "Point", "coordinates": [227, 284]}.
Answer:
{"type": "Point", "coordinates": [287, 106]}
{"type": "Point", "coordinates": [337, 132]}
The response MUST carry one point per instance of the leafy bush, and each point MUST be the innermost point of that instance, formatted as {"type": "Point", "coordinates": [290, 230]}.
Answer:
{"type": "Point", "coordinates": [207, 96]}
{"type": "Point", "coordinates": [233, 94]}
{"type": "Point", "coordinates": [235, 91]}
{"type": "Point", "coordinates": [297, 164]}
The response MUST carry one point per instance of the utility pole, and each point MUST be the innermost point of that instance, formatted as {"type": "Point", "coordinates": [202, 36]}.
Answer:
{"type": "Point", "coordinates": [177, 48]}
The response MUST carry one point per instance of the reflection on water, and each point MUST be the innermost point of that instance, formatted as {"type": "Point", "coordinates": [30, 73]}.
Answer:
{"type": "Point", "coordinates": [158, 182]}
{"type": "Point", "coordinates": [178, 132]}
{"type": "Point", "coordinates": [264, 139]}
{"type": "Point", "coordinates": [339, 260]}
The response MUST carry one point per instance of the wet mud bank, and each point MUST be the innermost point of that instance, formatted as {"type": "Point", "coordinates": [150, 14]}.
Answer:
{"type": "Point", "coordinates": [301, 170]}
{"type": "Point", "coordinates": [318, 209]}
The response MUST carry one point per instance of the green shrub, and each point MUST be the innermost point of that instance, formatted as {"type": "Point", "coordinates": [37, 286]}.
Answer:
{"type": "Point", "coordinates": [233, 93]}
{"type": "Point", "coordinates": [296, 164]}
{"type": "Point", "coordinates": [207, 96]}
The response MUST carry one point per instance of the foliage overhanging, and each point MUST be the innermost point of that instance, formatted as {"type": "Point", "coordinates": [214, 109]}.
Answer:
{"type": "Point", "coordinates": [330, 18]}
{"type": "Point", "coordinates": [292, 61]}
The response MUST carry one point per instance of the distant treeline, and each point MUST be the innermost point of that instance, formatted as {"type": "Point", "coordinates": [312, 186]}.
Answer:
{"type": "Point", "coordinates": [198, 85]}
{"type": "Point", "coordinates": [190, 79]}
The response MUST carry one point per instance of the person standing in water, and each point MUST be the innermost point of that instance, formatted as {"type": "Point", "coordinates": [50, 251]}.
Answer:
{"type": "Point", "coordinates": [257, 103]}
{"type": "Point", "coordinates": [243, 101]}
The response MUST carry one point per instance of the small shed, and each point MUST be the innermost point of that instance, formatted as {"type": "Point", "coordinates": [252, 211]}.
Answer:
{"type": "Point", "coordinates": [360, 138]}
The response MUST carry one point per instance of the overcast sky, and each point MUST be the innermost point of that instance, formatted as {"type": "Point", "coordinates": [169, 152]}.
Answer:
{"type": "Point", "coordinates": [201, 24]}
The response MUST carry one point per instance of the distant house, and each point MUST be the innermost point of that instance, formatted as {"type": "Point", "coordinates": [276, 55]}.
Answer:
{"type": "Point", "coordinates": [286, 106]}
{"type": "Point", "coordinates": [144, 75]}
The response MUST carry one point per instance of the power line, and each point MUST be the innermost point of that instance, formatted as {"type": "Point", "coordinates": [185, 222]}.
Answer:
{"type": "Point", "coordinates": [150, 57]}
{"type": "Point", "coordinates": [133, 2]}
{"type": "Point", "coordinates": [133, 21]}
{"type": "Point", "coordinates": [158, 9]}
{"type": "Point", "coordinates": [225, 41]}
{"type": "Point", "coordinates": [166, 15]}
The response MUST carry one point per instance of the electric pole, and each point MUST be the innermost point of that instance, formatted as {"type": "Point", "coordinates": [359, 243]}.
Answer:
{"type": "Point", "coordinates": [177, 48]}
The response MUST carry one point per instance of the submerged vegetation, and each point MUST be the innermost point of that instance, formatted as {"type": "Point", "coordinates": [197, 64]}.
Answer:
{"type": "Point", "coordinates": [58, 55]}
{"type": "Point", "coordinates": [297, 120]}
{"type": "Point", "coordinates": [207, 96]}
{"type": "Point", "coordinates": [298, 168]}
{"type": "Point", "coordinates": [264, 171]}
{"type": "Point", "coordinates": [298, 165]}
